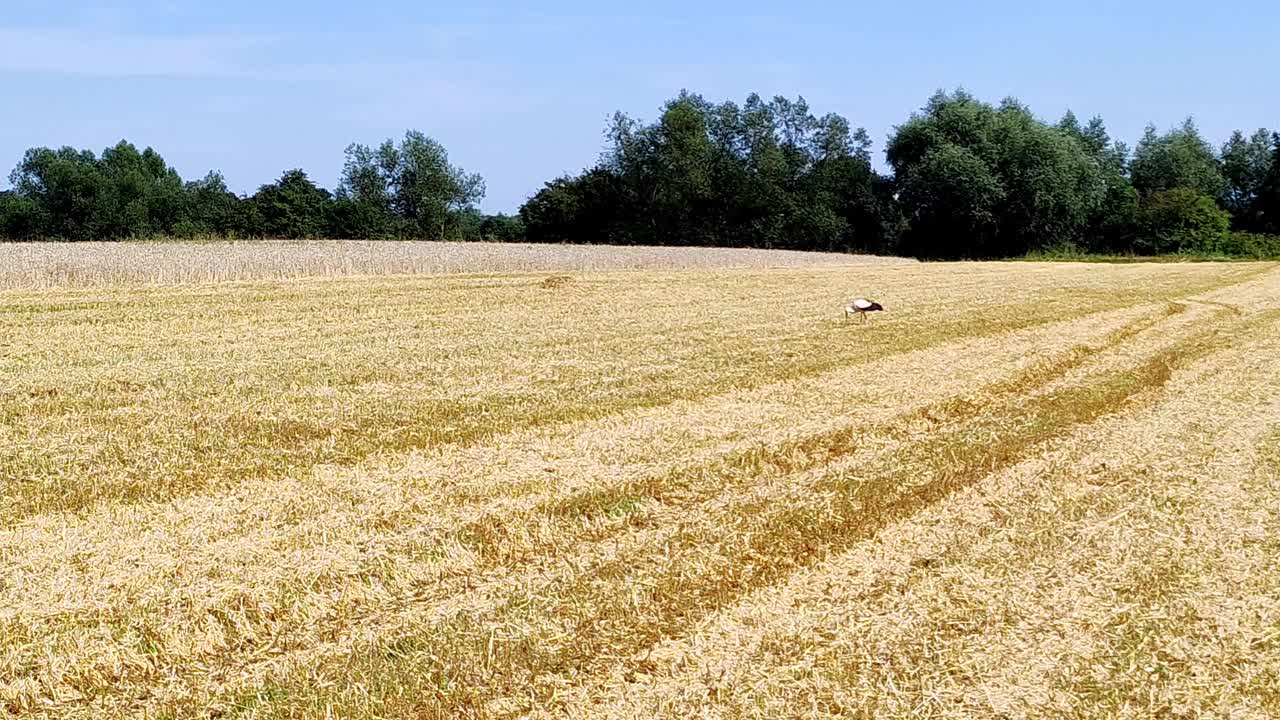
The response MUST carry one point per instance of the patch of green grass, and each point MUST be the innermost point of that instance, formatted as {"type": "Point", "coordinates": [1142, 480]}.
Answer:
{"type": "Point", "coordinates": [1074, 255]}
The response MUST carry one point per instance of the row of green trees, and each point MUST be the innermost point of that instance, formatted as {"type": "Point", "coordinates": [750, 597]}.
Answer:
{"type": "Point", "coordinates": [766, 174]}
{"type": "Point", "coordinates": [969, 179]}
{"type": "Point", "coordinates": [404, 190]}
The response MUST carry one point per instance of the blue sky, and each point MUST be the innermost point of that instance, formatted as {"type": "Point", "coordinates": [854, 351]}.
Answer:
{"type": "Point", "coordinates": [520, 92]}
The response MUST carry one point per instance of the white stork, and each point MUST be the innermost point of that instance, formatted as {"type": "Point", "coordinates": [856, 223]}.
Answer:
{"type": "Point", "coordinates": [861, 306]}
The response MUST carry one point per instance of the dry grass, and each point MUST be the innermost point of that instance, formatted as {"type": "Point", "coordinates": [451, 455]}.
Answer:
{"type": "Point", "coordinates": [557, 281]}
{"type": "Point", "coordinates": [47, 265]}
{"type": "Point", "coordinates": [1028, 490]}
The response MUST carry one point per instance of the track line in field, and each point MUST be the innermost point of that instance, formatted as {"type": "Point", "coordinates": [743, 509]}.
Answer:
{"type": "Point", "coordinates": [980, 466]}
{"type": "Point", "coordinates": [392, 523]}
{"type": "Point", "coordinates": [1035, 527]}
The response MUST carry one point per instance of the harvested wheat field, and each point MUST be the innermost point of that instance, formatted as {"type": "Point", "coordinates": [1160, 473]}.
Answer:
{"type": "Point", "coordinates": [1024, 490]}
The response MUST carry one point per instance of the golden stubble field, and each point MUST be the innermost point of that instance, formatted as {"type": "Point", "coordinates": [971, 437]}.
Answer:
{"type": "Point", "coordinates": [1025, 490]}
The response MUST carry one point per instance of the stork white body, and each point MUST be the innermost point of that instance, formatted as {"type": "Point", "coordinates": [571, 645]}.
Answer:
{"type": "Point", "coordinates": [860, 307]}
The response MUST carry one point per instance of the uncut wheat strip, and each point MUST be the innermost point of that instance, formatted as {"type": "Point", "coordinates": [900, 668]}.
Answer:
{"type": "Point", "coordinates": [43, 265]}
{"type": "Point", "coordinates": [227, 559]}
{"type": "Point", "coordinates": [368, 635]}
{"type": "Point", "coordinates": [871, 611]}
{"type": "Point", "coordinates": [862, 276]}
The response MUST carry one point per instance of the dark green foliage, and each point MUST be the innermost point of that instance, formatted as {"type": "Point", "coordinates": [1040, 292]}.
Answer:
{"type": "Point", "coordinates": [984, 181]}
{"type": "Point", "coordinates": [555, 213]}
{"type": "Point", "coordinates": [1110, 227]}
{"type": "Point", "coordinates": [78, 196]}
{"type": "Point", "coordinates": [291, 207]}
{"type": "Point", "coordinates": [1180, 158]}
{"type": "Point", "coordinates": [766, 174]}
{"type": "Point", "coordinates": [1245, 164]}
{"type": "Point", "coordinates": [580, 209]}
{"type": "Point", "coordinates": [1251, 245]}
{"type": "Point", "coordinates": [409, 190]}
{"type": "Point", "coordinates": [143, 196]}
{"type": "Point", "coordinates": [362, 208]}
{"type": "Point", "coordinates": [208, 208]}
{"type": "Point", "coordinates": [351, 219]}
{"type": "Point", "coordinates": [952, 200]}
{"type": "Point", "coordinates": [502, 228]}
{"type": "Point", "coordinates": [68, 186]}
{"type": "Point", "coordinates": [1180, 220]}
{"type": "Point", "coordinates": [19, 217]}
{"type": "Point", "coordinates": [971, 180]}
{"type": "Point", "coordinates": [430, 192]}
{"type": "Point", "coordinates": [72, 194]}
{"type": "Point", "coordinates": [1267, 203]}
{"type": "Point", "coordinates": [465, 224]}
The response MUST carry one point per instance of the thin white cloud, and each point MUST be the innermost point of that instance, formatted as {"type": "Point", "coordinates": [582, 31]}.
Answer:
{"type": "Point", "coordinates": [105, 51]}
{"type": "Point", "coordinates": [78, 51]}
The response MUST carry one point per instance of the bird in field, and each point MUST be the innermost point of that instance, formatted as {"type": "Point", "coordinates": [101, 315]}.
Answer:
{"type": "Point", "coordinates": [861, 306]}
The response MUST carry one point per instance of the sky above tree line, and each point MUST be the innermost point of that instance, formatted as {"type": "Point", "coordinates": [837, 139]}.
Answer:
{"type": "Point", "coordinates": [520, 92]}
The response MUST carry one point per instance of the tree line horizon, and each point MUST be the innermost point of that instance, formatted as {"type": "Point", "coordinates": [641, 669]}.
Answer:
{"type": "Point", "coordinates": [967, 179]}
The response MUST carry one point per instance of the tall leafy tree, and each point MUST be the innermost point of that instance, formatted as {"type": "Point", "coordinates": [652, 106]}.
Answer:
{"type": "Point", "coordinates": [79, 196]}
{"type": "Point", "coordinates": [1267, 204]}
{"type": "Point", "coordinates": [290, 207]}
{"type": "Point", "coordinates": [554, 213]}
{"type": "Point", "coordinates": [682, 157]}
{"type": "Point", "coordinates": [576, 209]}
{"type": "Point", "coordinates": [1110, 228]}
{"type": "Point", "coordinates": [362, 208]}
{"type": "Point", "coordinates": [1245, 164]}
{"type": "Point", "coordinates": [143, 195]}
{"type": "Point", "coordinates": [1179, 158]}
{"type": "Point", "coordinates": [210, 208]}
{"type": "Point", "coordinates": [428, 191]}
{"type": "Point", "coordinates": [20, 217]}
{"type": "Point", "coordinates": [952, 200]}
{"type": "Point", "coordinates": [67, 186]}
{"type": "Point", "coordinates": [768, 173]}
{"type": "Point", "coordinates": [408, 189]}
{"type": "Point", "coordinates": [984, 181]}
